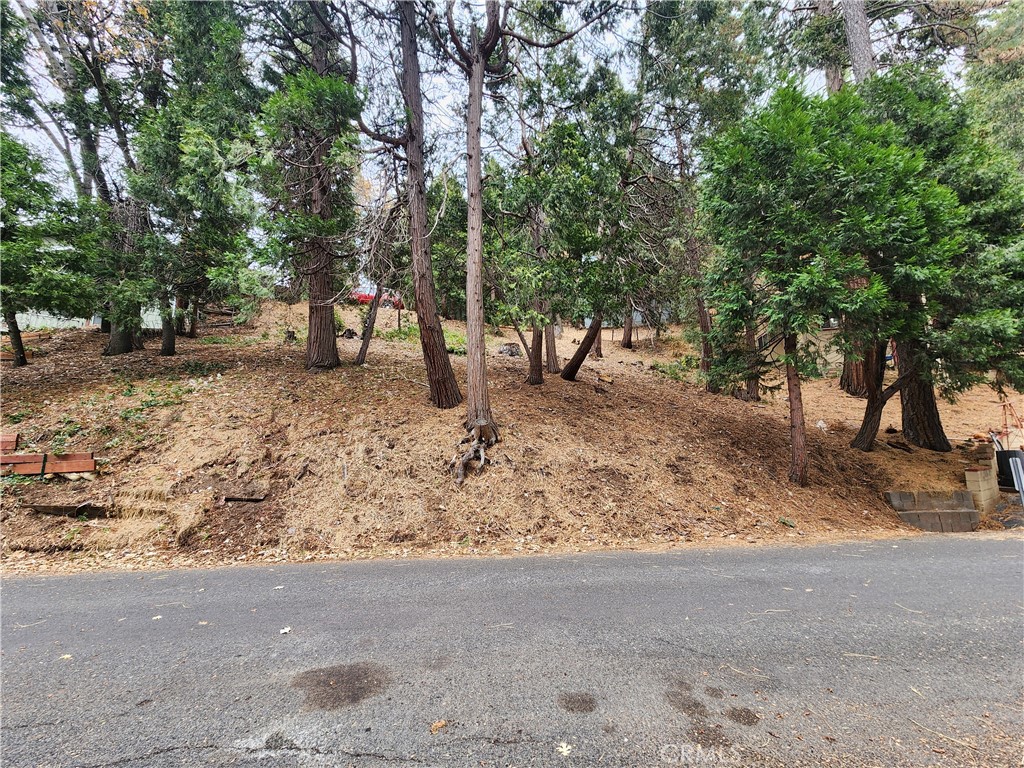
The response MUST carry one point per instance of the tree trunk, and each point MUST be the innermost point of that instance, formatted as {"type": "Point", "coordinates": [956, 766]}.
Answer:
{"type": "Point", "coordinates": [17, 346]}
{"type": "Point", "coordinates": [167, 330]}
{"type": "Point", "coordinates": [874, 364]}
{"type": "Point", "coordinates": [596, 350]}
{"type": "Point", "coordinates": [193, 321]}
{"type": "Point", "coordinates": [371, 320]}
{"type": "Point", "coordinates": [536, 353]}
{"type": "Point", "coordinates": [551, 349]}
{"type": "Point", "coordinates": [180, 307]}
{"type": "Point", "coordinates": [321, 344]}
{"type": "Point", "coordinates": [858, 39]}
{"type": "Point", "coordinates": [833, 72]}
{"type": "Point", "coordinates": [855, 379]}
{"type": "Point", "coordinates": [122, 341]}
{"type": "Point", "coordinates": [444, 388]}
{"type": "Point", "coordinates": [478, 405]}
{"type": "Point", "coordinates": [797, 428]}
{"type": "Point", "coordinates": [573, 366]}
{"type": "Point", "coordinates": [922, 424]}
{"type": "Point", "coordinates": [627, 328]}
{"type": "Point", "coordinates": [105, 325]}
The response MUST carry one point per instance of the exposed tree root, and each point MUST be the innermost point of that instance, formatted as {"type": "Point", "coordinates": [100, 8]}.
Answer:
{"type": "Point", "coordinates": [482, 435]}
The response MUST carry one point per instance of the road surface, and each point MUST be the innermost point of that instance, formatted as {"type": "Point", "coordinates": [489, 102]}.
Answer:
{"type": "Point", "coordinates": [903, 652]}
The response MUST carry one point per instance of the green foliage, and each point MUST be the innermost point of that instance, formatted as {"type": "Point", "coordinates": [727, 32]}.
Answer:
{"type": "Point", "coordinates": [821, 212]}
{"type": "Point", "coordinates": [681, 369]}
{"type": "Point", "coordinates": [995, 80]}
{"type": "Point", "coordinates": [408, 332]}
{"type": "Point", "coordinates": [49, 246]}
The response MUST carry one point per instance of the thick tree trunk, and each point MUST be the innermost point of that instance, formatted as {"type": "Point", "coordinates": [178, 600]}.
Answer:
{"type": "Point", "coordinates": [596, 350]}
{"type": "Point", "coordinates": [797, 428]}
{"type": "Point", "coordinates": [17, 346]}
{"type": "Point", "coordinates": [167, 334]}
{"type": "Point", "coordinates": [536, 352]}
{"type": "Point", "coordinates": [855, 379]}
{"type": "Point", "coordinates": [371, 320]}
{"type": "Point", "coordinates": [321, 344]}
{"type": "Point", "coordinates": [627, 329]}
{"type": "Point", "coordinates": [573, 366]}
{"type": "Point", "coordinates": [444, 387]}
{"type": "Point", "coordinates": [551, 349]}
{"type": "Point", "coordinates": [478, 404]}
{"type": "Point", "coordinates": [858, 39]}
{"type": "Point", "coordinates": [922, 424]}
{"type": "Point", "coordinates": [122, 341]}
{"type": "Point", "coordinates": [874, 363]}
{"type": "Point", "coordinates": [105, 325]}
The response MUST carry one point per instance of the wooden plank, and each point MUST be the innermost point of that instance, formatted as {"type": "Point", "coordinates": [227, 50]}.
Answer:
{"type": "Point", "coordinates": [9, 440]}
{"type": "Point", "coordinates": [56, 467]}
{"type": "Point", "coordinates": [68, 456]}
{"type": "Point", "coordinates": [70, 510]}
{"type": "Point", "coordinates": [8, 357]}
{"type": "Point", "coordinates": [22, 469]}
{"type": "Point", "coordinates": [22, 458]}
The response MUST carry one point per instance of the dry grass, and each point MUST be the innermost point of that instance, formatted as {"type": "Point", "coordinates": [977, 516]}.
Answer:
{"type": "Point", "coordinates": [352, 463]}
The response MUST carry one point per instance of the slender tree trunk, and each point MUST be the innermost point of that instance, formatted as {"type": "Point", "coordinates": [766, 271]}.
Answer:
{"type": "Point", "coordinates": [833, 71]}
{"type": "Point", "coordinates": [536, 353]}
{"type": "Point", "coordinates": [180, 308]}
{"type": "Point", "coordinates": [573, 366]}
{"type": "Point", "coordinates": [922, 424]}
{"type": "Point", "coordinates": [478, 404]}
{"type": "Point", "coordinates": [193, 321]}
{"type": "Point", "coordinates": [797, 428]}
{"type": "Point", "coordinates": [444, 387]}
{"type": "Point", "coordinates": [858, 39]}
{"type": "Point", "coordinates": [596, 350]}
{"type": "Point", "coordinates": [753, 389]}
{"type": "Point", "coordinates": [874, 363]}
{"type": "Point", "coordinates": [627, 328]}
{"type": "Point", "coordinates": [17, 346]}
{"type": "Point", "coordinates": [321, 343]}
{"type": "Point", "coordinates": [167, 330]}
{"type": "Point", "coordinates": [371, 320]}
{"type": "Point", "coordinates": [551, 348]}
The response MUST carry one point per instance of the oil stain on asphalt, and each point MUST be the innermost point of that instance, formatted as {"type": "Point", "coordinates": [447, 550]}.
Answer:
{"type": "Point", "coordinates": [341, 686]}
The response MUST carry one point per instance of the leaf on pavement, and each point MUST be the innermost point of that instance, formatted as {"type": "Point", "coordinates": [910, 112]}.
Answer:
{"type": "Point", "coordinates": [437, 726]}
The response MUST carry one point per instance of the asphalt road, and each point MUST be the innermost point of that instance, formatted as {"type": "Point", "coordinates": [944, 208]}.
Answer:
{"type": "Point", "coordinates": [889, 653]}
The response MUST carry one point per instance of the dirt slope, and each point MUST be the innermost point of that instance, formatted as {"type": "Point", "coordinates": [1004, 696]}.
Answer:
{"type": "Point", "coordinates": [352, 463]}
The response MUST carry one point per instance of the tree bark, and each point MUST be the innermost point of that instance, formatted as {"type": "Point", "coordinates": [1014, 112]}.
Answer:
{"type": "Point", "coordinates": [833, 72]}
{"type": "Point", "coordinates": [122, 341]}
{"type": "Point", "coordinates": [627, 328]}
{"type": "Point", "coordinates": [193, 321]}
{"type": "Point", "coordinates": [874, 364]}
{"type": "Point", "coordinates": [478, 405]}
{"type": "Point", "coordinates": [321, 343]}
{"type": "Point", "coordinates": [371, 320]}
{"type": "Point", "coordinates": [922, 424]}
{"type": "Point", "coordinates": [551, 349]}
{"type": "Point", "coordinates": [17, 346]}
{"type": "Point", "coordinates": [573, 366]}
{"type": "Point", "coordinates": [596, 350]}
{"type": "Point", "coordinates": [168, 332]}
{"type": "Point", "coordinates": [797, 428]}
{"type": "Point", "coordinates": [444, 388]}
{"type": "Point", "coordinates": [105, 325]}
{"type": "Point", "coordinates": [858, 39]}
{"type": "Point", "coordinates": [536, 353]}
{"type": "Point", "coordinates": [855, 379]}
{"type": "Point", "coordinates": [180, 307]}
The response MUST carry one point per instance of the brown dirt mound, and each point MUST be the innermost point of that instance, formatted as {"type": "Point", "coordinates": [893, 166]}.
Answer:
{"type": "Point", "coordinates": [352, 463]}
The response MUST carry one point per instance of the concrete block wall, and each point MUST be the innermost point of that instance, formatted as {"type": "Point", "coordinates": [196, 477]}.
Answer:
{"type": "Point", "coordinates": [982, 479]}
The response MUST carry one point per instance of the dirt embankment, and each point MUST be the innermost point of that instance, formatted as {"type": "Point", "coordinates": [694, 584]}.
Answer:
{"type": "Point", "coordinates": [352, 463]}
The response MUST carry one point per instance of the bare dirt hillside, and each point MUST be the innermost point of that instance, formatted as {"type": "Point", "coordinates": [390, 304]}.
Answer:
{"type": "Point", "coordinates": [352, 463]}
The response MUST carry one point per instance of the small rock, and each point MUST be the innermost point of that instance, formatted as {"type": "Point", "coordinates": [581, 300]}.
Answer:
{"type": "Point", "coordinates": [510, 349]}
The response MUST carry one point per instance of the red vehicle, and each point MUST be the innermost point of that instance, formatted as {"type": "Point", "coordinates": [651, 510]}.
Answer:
{"type": "Point", "coordinates": [386, 299]}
